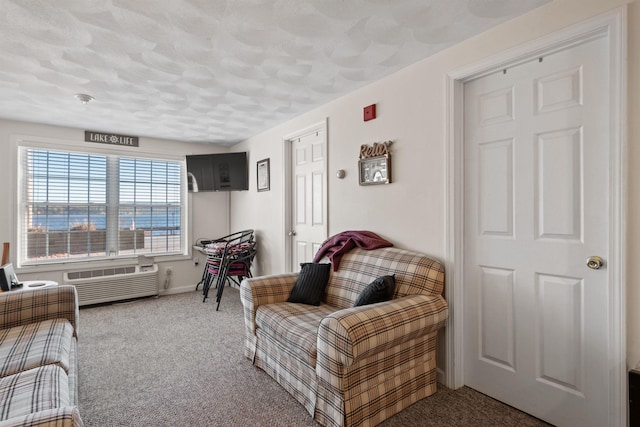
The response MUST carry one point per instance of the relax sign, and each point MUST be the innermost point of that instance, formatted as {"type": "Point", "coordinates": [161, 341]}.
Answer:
{"type": "Point", "coordinates": [375, 150]}
{"type": "Point", "coordinates": [110, 138]}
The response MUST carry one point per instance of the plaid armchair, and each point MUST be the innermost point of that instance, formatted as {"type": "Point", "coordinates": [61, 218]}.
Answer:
{"type": "Point", "coordinates": [351, 366]}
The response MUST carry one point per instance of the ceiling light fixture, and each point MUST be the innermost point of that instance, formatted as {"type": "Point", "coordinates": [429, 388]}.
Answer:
{"type": "Point", "coordinates": [84, 98]}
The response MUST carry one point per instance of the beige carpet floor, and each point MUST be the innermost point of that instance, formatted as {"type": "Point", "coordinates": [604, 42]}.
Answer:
{"type": "Point", "coordinates": [175, 361]}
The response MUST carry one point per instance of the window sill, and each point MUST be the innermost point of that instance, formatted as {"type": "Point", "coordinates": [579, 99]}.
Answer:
{"type": "Point", "coordinates": [97, 263]}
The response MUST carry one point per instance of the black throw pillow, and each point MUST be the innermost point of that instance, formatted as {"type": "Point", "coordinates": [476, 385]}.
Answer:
{"type": "Point", "coordinates": [312, 281]}
{"type": "Point", "coordinates": [379, 290]}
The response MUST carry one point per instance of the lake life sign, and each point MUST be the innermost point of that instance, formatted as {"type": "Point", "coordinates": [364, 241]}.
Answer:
{"type": "Point", "coordinates": [110, 138]}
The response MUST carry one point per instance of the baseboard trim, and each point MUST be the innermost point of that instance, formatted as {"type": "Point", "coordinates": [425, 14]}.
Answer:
{"type": "Point", "coordinates": [191, 288]}
{"type": "Point", "coordinates": [178, 290]}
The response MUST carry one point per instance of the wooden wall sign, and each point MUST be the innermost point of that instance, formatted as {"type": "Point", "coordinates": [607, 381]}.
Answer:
{"type": "Point", "coordinates": [110, 138]}
{"type": "Point", "coordinates": [375, 150]}
{"type": "Point", "coordinates": [375, 163]}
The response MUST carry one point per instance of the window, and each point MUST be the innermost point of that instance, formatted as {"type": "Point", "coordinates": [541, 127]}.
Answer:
{"type": "Point", "coordinates": [83, 205]}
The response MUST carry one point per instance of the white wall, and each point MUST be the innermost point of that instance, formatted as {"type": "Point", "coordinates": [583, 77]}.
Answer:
{"type": "Point", "coordinates": [411, 111]}
{"type": "Point", "coordinates": [401, 212]}
{"type": "Point", "coordinates": [209, 213]}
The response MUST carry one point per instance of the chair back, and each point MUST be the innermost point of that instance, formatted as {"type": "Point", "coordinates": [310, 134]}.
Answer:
{"type": "Point", "coordinates": [415, 273]}
{"type": "Point", "coordinates": [234, 253]}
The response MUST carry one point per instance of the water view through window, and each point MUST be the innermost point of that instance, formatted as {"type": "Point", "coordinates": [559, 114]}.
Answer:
{"type": "Point", "coordinates": [76, 205]}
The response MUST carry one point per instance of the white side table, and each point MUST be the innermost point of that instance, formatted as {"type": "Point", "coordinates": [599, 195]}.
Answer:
{"type": "Point", "coordinates": [37, 284]}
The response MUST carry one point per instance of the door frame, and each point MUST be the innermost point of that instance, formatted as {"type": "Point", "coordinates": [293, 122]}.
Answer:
{"type": "Point", "coordinates": [287, 184]}
{"type": "Point", "coordinates": [611, 25]}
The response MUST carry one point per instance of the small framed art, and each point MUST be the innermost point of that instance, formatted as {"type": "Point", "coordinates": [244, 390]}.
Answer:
{"type": "Point", "coordinates": [375, 170]}
{"type": "Point", "coordinates": [263, 174]}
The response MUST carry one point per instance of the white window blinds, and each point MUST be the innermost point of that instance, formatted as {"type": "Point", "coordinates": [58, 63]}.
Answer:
{"type": "Point", "coordinates": [80, 205]}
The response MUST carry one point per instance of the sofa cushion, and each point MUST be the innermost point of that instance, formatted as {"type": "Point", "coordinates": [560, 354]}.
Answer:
{"type": "Point", "coordinates": [295, 326]}
{"type": "Point", "coordinates": [311, 283]}
{"type": "Point", "coordinates": [36, 344]}
{"type": "Point", "coordinates": [34, 390]}
{"type": "Point", "coordinates": [379, 290]}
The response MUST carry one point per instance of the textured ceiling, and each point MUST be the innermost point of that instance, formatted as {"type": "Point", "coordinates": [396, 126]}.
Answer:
{"type": "Point", "coordinates": [215, 71]}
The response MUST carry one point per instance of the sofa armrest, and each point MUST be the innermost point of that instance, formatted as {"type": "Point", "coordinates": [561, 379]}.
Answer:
{"type": "Point", "coordinates": [258, 291]}
{"type": "Point", "coordinates": [19, 308]}
{"type": "Point", "coordinates": [66, 416]}
{"type": "Point", "coordinates": [351, 334]}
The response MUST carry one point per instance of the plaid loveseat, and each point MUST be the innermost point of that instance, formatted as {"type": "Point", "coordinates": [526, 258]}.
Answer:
{"type": "Point", "coordinates": [38, 357]}
{"type": "Point", "coordinates": [351, 366]}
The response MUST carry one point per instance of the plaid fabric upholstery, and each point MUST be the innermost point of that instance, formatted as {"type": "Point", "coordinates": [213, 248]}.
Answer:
{"type": "Point", "coordinates": [406, 373]}
{"type": "Point", "coordinates": [361, 352]}
{"type": "Point", "coordinates": [21, 308]}
{"type": "Point", "coordinates": [255, 292]}
{"type": "Point", "coordinates": [371, 361]}
{"type": "Point", "coordinates": [350, 335]}
{"type": "Point", "coordinates": [66, 416]}
{"type": "Point", "coordinates": [38, 330]}
{"type": "Point", "coordinates": [72, 374]}
{"type": "Point", "coordinates": [295, 326]}
{"type": "Point", "coordinates": [415, 274]}
{"type": "Point", "coordinates": [32, 391]}
{"type": "Point", "coordinates": [36, 344]}
{"type": "Point", "coordinates": [299, 379]}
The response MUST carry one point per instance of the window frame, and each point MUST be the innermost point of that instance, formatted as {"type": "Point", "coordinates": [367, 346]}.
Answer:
{"type": "Point", "coordinates": [23, 144]}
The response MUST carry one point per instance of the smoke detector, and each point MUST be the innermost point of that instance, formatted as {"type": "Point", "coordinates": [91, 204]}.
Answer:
{"type": "Point", "coordinates": [84, 98]}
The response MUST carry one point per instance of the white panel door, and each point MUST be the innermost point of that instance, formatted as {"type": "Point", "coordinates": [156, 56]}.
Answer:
{"type": "Point", "coordinates": [309, 196]}
{"type": "Point", "coordinates": [536, 195]}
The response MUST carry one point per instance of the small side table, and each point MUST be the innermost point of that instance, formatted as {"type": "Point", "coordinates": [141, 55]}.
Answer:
{"type": "Point", "coordinates": [36, 284]}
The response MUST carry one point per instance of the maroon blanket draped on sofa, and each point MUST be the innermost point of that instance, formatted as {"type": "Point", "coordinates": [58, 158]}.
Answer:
{"type": "Point", "coordinates": [334, 247]}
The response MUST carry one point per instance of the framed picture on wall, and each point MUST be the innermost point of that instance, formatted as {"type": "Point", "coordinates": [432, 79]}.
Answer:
{"type": "Point", "coordinates": [263, 175]}
{"type": "Point", "coordinates": [375, 170]}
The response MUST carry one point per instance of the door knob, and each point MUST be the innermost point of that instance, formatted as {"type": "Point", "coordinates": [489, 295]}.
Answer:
{"type": "Point", "coordinates": [595, 262]}
{"type": "Point", "coordinates": [292, 233]}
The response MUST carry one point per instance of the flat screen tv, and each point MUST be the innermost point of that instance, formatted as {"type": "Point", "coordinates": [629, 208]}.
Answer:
{"type": "Point", "coordinates": [218, 172]}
